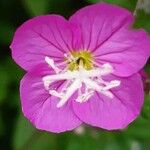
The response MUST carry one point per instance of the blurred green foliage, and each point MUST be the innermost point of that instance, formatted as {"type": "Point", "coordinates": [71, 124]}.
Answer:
{"type": "Point", "coordinates": [36, 7]}
{"type": "Point", "coordinates": [15, 131]}
{"type": "Point", "coordinates": [129, 4]}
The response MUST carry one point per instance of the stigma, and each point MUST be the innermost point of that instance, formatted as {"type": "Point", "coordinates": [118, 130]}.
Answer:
{"type": "Point", "coordinates": [81, 75]}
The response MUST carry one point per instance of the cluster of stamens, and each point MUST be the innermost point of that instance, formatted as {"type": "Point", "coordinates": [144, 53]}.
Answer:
{"type": "Point", "coordinates": [81, 75]}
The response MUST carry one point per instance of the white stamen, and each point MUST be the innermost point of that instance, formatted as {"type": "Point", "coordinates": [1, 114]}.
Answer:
{"type": "Point", "coordinates": [106, 69]}
{"type": "Point", "coordinates": [46, 83]}
{"type": "Point", "coordinates": [70, 91]}
{"type": "Point", "coordinates": [75, 74]}
{"type": "Point", "coordinates": [55, 93]}
{"type": "Point", "coordinates": [112, 84]}
{"type": "Point", "coordinates": [84, 97]}
{"type": "Point", "coordinates": [75, 80]}
{"type": "Point", "coordinates": [93, 85]}
{"type": "Point", "coordinates": [108, 94]}
{"type": "Point", "coordinates": [70, 59]}
{"type": "Point", "coordinates": [66, 85]}
{"type": "Point", "coordinates": [50, 62]}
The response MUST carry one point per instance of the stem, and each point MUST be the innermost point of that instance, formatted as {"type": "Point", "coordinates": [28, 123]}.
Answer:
{"type": "Point", "coordinates": [139, 2]}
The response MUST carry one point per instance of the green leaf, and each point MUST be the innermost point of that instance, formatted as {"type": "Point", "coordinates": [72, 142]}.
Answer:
{"type": "Point", "coordinates": [1, 126]}
{"type": "Point", "coordinates": [6, 31]}
{"type": "Point", "coordinates": [4, 81]}
{"type": "Point", "coordinates": [15, 73]}
{"type": "Point", "coordinates": [28, 137]}
{"type": "Point", "coordinates": [130, 4]}
{"type": "Point", "coordinates": [97, 139]}
{"type": "Point", "coordinates": [39, 7]}
{"type": "Point", "coordinates": [23, 132]}
{"type": "Point", "coordinates": [10, 75]}
{"type": "Point", "coordinates": [142, 20]}
{"type": "Point", "coordinates": [147, 68]}
{"type": "Point", "coordinates": [86, 142]}
{"type": "Point", "coordinates": [140, 128]}
{"type": "Point", "coordinates": [146, 108]}
{"type": "Point", "coordinates": [36, 7]}
{"type": "Point", "coordinates": [42, 141]}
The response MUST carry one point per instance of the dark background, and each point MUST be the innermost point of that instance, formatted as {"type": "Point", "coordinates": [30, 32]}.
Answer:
{"type": "Point", "coordinates": [15, 131]}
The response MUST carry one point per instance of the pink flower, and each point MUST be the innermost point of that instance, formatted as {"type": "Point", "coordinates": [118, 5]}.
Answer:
{"type": "Point", "coordinates": [84, 70]}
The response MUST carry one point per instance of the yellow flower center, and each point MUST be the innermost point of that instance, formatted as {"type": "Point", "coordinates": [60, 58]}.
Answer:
{"type": "Point", "coordinates": [83, 58]}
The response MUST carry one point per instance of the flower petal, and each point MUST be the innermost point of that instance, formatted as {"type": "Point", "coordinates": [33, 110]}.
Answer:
{"type": "Point", "coordinates": [106, 32]}
{"type": "Point", "coordinates": [99, 22]}
{"type": "Point", "coordinates": [49, 35]}
{"type": "Point", "coordinates": [127, 51]}
{"type": "Point", "coordinates": [40, 108]}
{"type": "Point", "coordinates": [116, 113]}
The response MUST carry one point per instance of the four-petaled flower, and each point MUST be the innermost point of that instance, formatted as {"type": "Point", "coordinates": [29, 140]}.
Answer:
{"type": "Point", "coordinates": [84, 70]}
